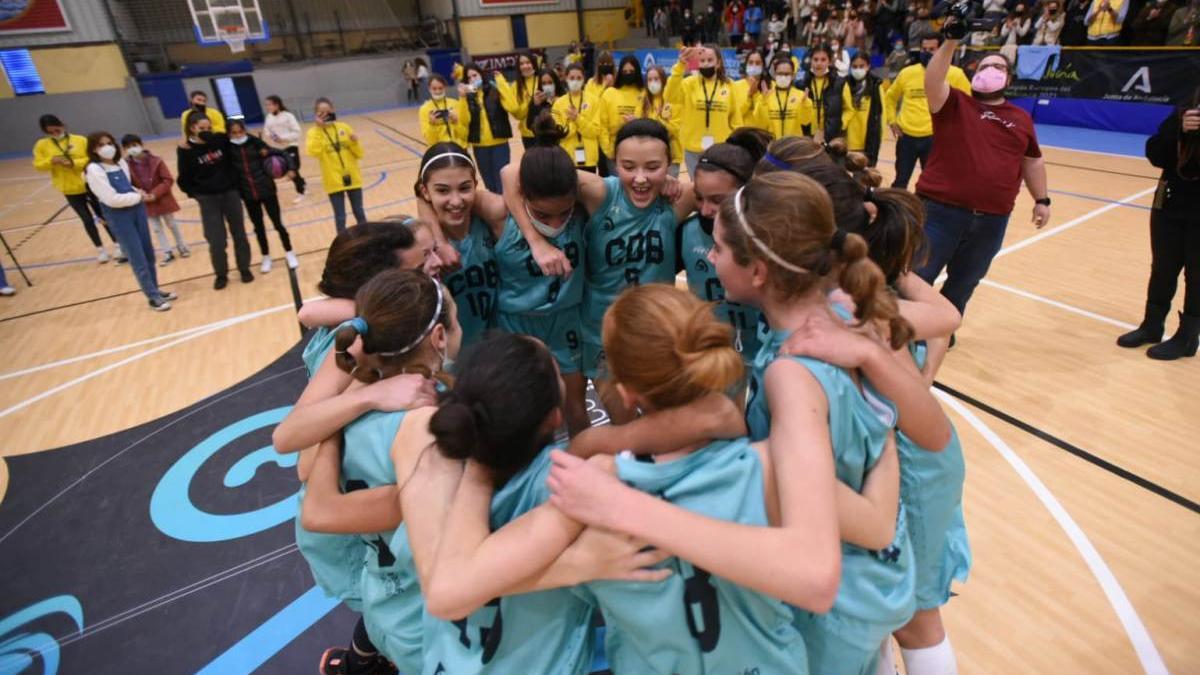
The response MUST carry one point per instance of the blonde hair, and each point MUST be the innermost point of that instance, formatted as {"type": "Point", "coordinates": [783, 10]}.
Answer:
{"type": "Point", "coordinates": [667, 345]}
{"type": "Point", "coordinates": [785, 219]}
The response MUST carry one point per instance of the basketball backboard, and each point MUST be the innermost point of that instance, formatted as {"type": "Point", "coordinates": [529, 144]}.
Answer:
{"type": "Point", "coordinates": [231, 22]}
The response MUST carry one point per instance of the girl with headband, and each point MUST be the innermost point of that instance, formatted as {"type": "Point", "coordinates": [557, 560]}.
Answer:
{"type": "Point", "coordinates": [446, 190]}
{"type": "Point", "coordinates": [630, 235]}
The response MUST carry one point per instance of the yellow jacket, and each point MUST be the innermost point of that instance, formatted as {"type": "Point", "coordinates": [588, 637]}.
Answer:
{"type": "Point", "coordinates": [213, 115]}
{"type": "Point", "coordinates": [338, 153]}
{"type": "Point", "coordinates": [670, 120]}
{"type": "Point", "coordinates": [784, 113]}
{"type": "Point", "coordinates": [746, 99]}
{"type": "Point", "coordinates": [593, 88]}
{"type": "Point", "coordinates": [706, 109]}
{"type": "Point", "coordinates": [585, 131]}
{"type": "Point", "coordinates": [1103, 25]}
{"type": "Point", "coordinates": [854, 120]}
{"type": "Point", "coordinates": [613, 104]}
{"type": "Point", "coordinates": [68, 179]}
{"type": "Point", "coordinates": [444, 131]}
{"type": "Point", "coordinates": [909, 85]}
{"type": "Point", "coordinates": [486, 139]}
{"type": "Point", "coordinates": [516, 106]}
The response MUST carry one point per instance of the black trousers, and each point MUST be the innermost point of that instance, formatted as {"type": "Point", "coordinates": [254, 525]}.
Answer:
{"type": "Point", "coordinates": [1175, 247]}
{"type": "Point", "coordinates": [293, 153]}
{"type": "Point", "coordinates": [84, 205]}
{"type": "Point", "coordinates": [254, 207]}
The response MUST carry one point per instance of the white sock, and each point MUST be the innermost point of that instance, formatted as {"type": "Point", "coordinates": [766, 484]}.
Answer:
{"type": "Point", "coordinates": [887, 659]}
{"type": "Point", "coordinates": [935, 660]}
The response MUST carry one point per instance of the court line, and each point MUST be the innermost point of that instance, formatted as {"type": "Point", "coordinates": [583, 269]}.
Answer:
{"type": "Point", "coordinates": [393, 141]}
{"type": "Point", "coordinates": [1056, 303]}
{"type": "Point", "coordinates": [1080, 195]}
{"type": "Point", "coordinates": [1143, 645]}
{"type": "Point", "coordinates": [1044, 234]}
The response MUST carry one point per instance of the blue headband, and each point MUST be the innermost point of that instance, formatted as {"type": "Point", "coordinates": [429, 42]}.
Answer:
{"type": "Point", "coordinates": [360, 325]}
{"type": "Point", "coordinates": [776, 162]}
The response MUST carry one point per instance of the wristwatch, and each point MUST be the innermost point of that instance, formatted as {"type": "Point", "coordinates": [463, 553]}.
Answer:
{"type": "Point", "coordinates": [1044, 201]}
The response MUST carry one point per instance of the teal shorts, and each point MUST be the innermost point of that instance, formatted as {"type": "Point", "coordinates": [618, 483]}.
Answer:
{"type": "Point", "coordinates": [559, 331]}
{"type": "Point", "coordinates": [593, 361]}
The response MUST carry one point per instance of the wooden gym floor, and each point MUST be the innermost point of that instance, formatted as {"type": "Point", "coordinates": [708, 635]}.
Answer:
{"type": "Point", "coordinates": [1083, 470]}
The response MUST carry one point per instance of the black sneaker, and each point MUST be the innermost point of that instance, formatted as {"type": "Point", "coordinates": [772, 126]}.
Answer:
{"type": "Point", "coordinates": [160, 305]}
{"type": "Point", "coordinates": [247, 277]}
{"type": "Point", "coordinates": [168, 295]}
{"type": "Point", "coordinates": [120, 260]}
{"type": "Point", "coordinates": [952, 342]}
{"type": "Point", "coordinates": [220, 282]}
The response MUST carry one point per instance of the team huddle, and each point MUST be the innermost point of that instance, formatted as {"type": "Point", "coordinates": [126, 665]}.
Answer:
{"type": "Point", "coordinates": [779, 493]}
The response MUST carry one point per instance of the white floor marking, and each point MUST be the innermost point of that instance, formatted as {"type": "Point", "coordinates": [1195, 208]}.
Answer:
{"type": "Point", "coordinates": [1060, 305]}
{"type": "Point", "coordinates": [1147, 653]}
{"type": "Point", "coordinates": [1072, 223]}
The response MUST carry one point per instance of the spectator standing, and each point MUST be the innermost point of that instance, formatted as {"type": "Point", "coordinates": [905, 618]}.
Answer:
{"type": "Point", "coordinates": [776, 27]}
{"type": "Point", "coordinates": [1151, 24]}
{"type": "Point", "coordinates": [335, 146]}
{"type": "Point", "coordinates": [897, 60]}
{"type": "Point", "coordinates": [887, 14]}
{"type": "Point", "coordinates": [282, 131]}
{"type": "Point", "coordinates": [661, 27]}
{"type": "Point", "coordinates": [409, 70]}
{"type": "Point", "coordinates": [1049, 25]}
{"type": "Point", "coordinates": [247, 154]}
{"type": "Point", "coordinates": [422, 79]}
{"type": "Point", "coordinates": [920, 27]}
{"type": "Point", "coordinates": [1074, 31]}
{"type": "Point", "coordinates": [1184, 30]}
{"type": "Point", "coordinates": [206, 175]}
{"type": "Point", "coordinates": [712, 24]}
{"type": "Point", "coordinates": [1104, 20]}
{"type": "Point", "coordinates": [64, 156]}
{"type": "Point", "coordinates": [199, 101]}
{"type": "Point", "coordinates": [735, 21]}
{"type": "Point", "coordinates": [754, 20]}
{"type": "Point", "coordinates": [1016, 26]}
{"type": "Point", "coordinates": [150, 174]}
{"type": "Point", "coordinates": [855, 32]}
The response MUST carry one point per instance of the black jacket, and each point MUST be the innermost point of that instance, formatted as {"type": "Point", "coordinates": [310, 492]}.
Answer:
{"type": "Point", "coordinates": [496, 114]}
{"type": "Point", "coordinates": [1176, 194]}
{"type": "Point", "coordinates": [205, 169]}
{"type": "Point", "coordinates": [870, 86]}
{"type": "Point", "coordinates": [249, 164]}
{"type": "Point", "coordinates": [830, 101]}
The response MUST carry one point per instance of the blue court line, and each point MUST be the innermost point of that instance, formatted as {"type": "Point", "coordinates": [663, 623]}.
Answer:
{"type": "Point", "coordinates": [379, 181]}
{"type": "Point", "coordinates": [92, 259]}
{"type": "Point", "coordinates": [396, 142]}
{"type": "Point", "coordinates": [264, 642]}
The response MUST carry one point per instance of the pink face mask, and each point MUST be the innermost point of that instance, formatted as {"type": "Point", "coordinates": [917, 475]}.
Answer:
{"type": "Point", "coordinates": [989, 80]}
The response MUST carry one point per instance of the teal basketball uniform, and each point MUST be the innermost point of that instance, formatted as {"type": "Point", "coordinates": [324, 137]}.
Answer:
{"type": "Point", "coordinates": [696, 622]}
{"type": "Point", "coordinates": [626, 246]}
{"type": "Point", "coordinates": [694, 245]}
{"type": "Point", "coordinates": [335, 559]}
{"type": "Point", "coordinates": [547, 632]}
{"type": "Point", "coordinates": [877, 591]}
{"type": "Point", "coordinates": [931, 485]}
{"type": "Point", "coordinates": [530, 303]}
{"type": "Point", "coordinates": [391, 593]}
{"type": "Point", "coordinates": [474, 284]}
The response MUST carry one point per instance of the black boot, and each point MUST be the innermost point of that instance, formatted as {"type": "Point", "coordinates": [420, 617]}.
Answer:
{"type": "Point", "coordinates": [1151, 329]}
{"type": "Point", "coordinates": [1183, 343]}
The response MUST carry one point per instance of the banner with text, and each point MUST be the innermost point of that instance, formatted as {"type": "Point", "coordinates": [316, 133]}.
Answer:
{"type": "Point", "coordinates": [1166, 77]}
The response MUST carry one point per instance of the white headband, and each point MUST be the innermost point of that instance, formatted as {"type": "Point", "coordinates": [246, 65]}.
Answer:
{"type": "Point", "coordinates": [444, 154]}
{"type": "Point", "coordinates": [737, 205]}
{"type": "Point", "coordinates": [437, 314]}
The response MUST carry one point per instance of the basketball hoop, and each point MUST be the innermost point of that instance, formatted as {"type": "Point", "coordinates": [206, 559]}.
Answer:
{"type": "Point", "coordinates": [235, 37]}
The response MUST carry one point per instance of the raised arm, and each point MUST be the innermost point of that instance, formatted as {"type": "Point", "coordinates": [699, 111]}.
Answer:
{"type": "Point", "coordinates": [936, 88]}
{"type": "Point", "coordinates": [929, 312]}
{"type": "Point", "coordinates": [325, 312]}
{"type": "Point", "coordinates": [327, 509]}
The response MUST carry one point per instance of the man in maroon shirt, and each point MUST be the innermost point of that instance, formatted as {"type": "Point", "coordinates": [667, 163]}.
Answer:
{"type": "Point", "coordinates": [984, 147]}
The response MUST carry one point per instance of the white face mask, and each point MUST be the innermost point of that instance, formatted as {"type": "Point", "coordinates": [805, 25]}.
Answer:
{"type": "Point", "coordinates": [548, 89]}
{"type": "Point", "coordinates": [195, 139]}
{"type": "Point", "coordinates": [783, 81]}
{"type": "Point", "coordinates": [858, 73]}
{"type": "Point", "coordinates": [107, 151]}
{"type": "Point", "coordinates": [239, 141]}
{"type": "Point", "coordinates": [753, 71]}
{"type": "Point", "coordinates": [475, 84]}
{"type": "Point", "coordinates": [544, 229]}
{"type": "Point", "coordinates": [438, 96]}
{"type": "Point", "coordinates": [574, 85]}
{"type": "Point", "coordinates": [655, 87]}
{"type": "Point", "coordinates": [135, 150]}
{"type": "Point", "coordinates": [59, 137]}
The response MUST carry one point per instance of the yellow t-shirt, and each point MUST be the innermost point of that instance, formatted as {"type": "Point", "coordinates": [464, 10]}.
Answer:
{"type": "Point", "coordinates": [663, 112]}
{"type": "Point", "coordinates": [784, 113]}
{"type": "Point", "coordinates": [514, 103]}
{"type": "Point", "coordinates": [67, 179]}
{"type": "Point", "coordinates": [708, 110]}
{"type": "Point", "coordinates": [908, 91]}
{"type": "Point", "coordinates": [444, 130]}
{"type": "Point", "coordinates": [854, 119]}
{"type": "Point", "coordinates": [614, 103]}
{"type": "Point", "coordinates": [584, 131]}
{"type": "Point", "coordinates": [338, 154]}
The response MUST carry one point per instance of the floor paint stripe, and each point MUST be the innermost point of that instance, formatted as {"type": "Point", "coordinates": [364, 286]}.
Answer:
{"type": "Point", "coordinates": [264, 642]}
{"type": "Point", "coordinates": [1044, 234]}
{"type": "Point", "coordinates": [1143, 645]}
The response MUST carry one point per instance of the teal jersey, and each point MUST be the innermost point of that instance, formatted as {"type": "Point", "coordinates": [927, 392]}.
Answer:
{"type": "Point", "coordinates": [626, 246]}
{"type": "Point", "coordinates": [876, 594]}
{"type": "Point", "coordinates": [474, 284]}
{"type": "Point", "coordinates": [391, 593]}
{"type": "Point", "coordinates": [335, 559]}
{"type": "Point", "coordinates": [694, 245]}
{"type": "Point", "coordinates": [696, 622]}
{"type": "Point", "coordinates": [548, 632]}
{"type": "Point", "coordinates": [931, 487]}
{"type": "Point", "coordinates": [523, 287]}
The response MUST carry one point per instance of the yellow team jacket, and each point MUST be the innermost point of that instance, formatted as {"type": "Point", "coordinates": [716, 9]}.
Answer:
{"type": "Point", "coordinates": [593, 88]}
{"type": "Point", "coordinates": [68, 179]}
{"type": "Point", "coordinates": [909, 85]}
{"type": "Point", "coordinates": [784, 113]}
{"type": "Point", "coordinates": [338, 154]}
{"type": "Point", "coordinates": [213, 115]}
{"type": "Point", "coordinates": [687, 95]}
{"type": "Point", "coordinates": [516, 106]}
{"type": "Point", "coordinates": [584, 132]}
{"type": "Point", "coordinates": [486, 139]}
{"type": "Point", "coordinates": [746, 99]}
{"type": "Point", "coordinates": [854, 120]}
{"type": "Point", "coordinates": [613, 104]}
{"type": "Point", "coordinates": [662, 111]}
{"type": "Point", "coordinates": [443, 131]}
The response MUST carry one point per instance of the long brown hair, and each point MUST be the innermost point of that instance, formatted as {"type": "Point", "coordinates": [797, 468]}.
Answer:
{"type": "Point", "coordinates": [667, 345]}
{"type": "Point", "coordinates": [360, 252]}
{"type": "Point", "coordinates": [791, 216]}
{"type": "Point", "coordinates": [648, 106]}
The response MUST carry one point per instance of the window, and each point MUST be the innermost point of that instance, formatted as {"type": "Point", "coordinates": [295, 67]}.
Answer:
{"type": "Point", "coordinates": [22, 74]}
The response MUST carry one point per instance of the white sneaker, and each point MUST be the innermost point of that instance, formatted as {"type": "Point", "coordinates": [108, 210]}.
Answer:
{"type": "Point", "coordinates": [7, 291]}
{"type": "Point", "coordinates": [292, 262]}
{"type": "Point", "coordinates": [266, 265]}
{"type": "Point", "coordinates": [298, 199]}
{"type": "Point", "coordinates": [101, 255]}
{"type": "Point", "coordinates": [167, 259]}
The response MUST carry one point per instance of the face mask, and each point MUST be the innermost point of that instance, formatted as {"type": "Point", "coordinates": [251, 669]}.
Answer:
{"type": "Point", "coordinates": [438, 96]}
{"type": "Point", "coordinates": [858, 73]}
{"type": "Point", "coordinates": [59, 137]}
{"type": "Point", "coordinates": [475, 84]}
{"type": "Point", "coordinates": [206, 136]}
{"type": "Point", "coordinates": [199, 107]}
{"type": "Point", "coordinates": [135, 150]}
{"type": "Point", "coordinates": [925, 58]}
{"type": "Point", "coordinates": [708, 71]}
{"type": "Point", "coordinates": [574, 85]}
{"type": "Point", "coordinates": [753, 71]}
{"type": "Point", "coordinates": [195, 139]}
{"type": "Point", "coordinates": [107, 151]}
{"type": "Point", "coordinates": [239, 141]}
{"type": "Point", "coordinates": [785, 50]}
{"type": "Point", "coordinates": [783, 81]}
{"type": "Point", "coordinates": [835, 47]}
{"type": "Point", "coordinates": [548, 89]}
{"type": "Point", "coordinates": [626, 80]}
{"type": "Point", "coordinates": [655, 87]}
{"type": "Point", "coordinates": [330, 116]}
{"type": "Point", "coordinates": [606, 69]}
{"type": "Point", "coordinates": [447, 362]}
{"type": "Point", "coordinates": [989, 81]}
{"type": "Point", "coordinates": [544, 229]}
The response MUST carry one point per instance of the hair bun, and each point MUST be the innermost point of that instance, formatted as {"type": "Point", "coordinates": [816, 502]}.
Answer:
{"type": "Point", "coordinates": [546, 132]}
{"type": "Point", "coordinates": [454, 427]}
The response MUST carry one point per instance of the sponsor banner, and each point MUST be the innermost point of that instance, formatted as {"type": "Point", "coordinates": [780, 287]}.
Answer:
{"type": "Point", "coordinates": [507, 61]}
{"type": "Point", "coordinates": [1164, 77]}
{"type": "Point", "coordinates": [32, 16]}
{"type": "Point", "coordinates": [667, 58]}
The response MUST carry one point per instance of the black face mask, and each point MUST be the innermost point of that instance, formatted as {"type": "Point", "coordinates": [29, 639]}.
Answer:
{"type": "Point", "coordinates": [331, 116]}
{"type": "Point", "coordinates": [627, 79]}
{"type": "Point", "coordinates": [206, 136]}
{"type": "Point", "coordinates": [706, 224]}
{"type": "Point", "coordinates": [925, 58]}
{"type": "Point", "coordinates": [708, 71]}
{"type": "Point", "coordinates": [606, 70]}
{"type": "Point", "coordinates": [199, 107]}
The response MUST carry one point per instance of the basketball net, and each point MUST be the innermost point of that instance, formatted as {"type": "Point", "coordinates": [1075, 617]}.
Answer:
{"type": "Point", "coordinates": [235, 37]}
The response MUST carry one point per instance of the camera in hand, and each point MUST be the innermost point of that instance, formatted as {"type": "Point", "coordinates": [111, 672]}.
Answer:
{"type": "Point", "coordinates": [441, 114]}
{"type": "Point", "coordinates": [967, 16]}
{"type": "Point", "coordinates": [346, 181]}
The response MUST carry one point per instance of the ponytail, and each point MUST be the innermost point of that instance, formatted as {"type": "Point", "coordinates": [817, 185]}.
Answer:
{"type": "Point", "coordinates": [864, 282]}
